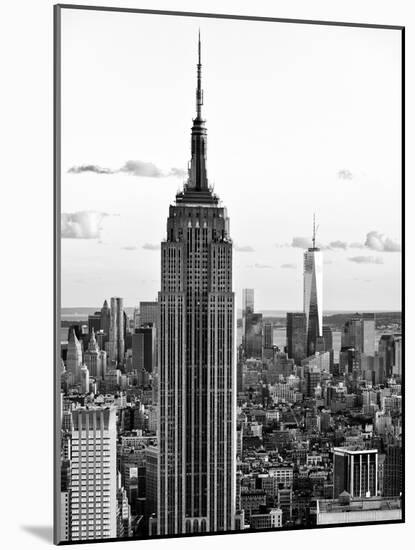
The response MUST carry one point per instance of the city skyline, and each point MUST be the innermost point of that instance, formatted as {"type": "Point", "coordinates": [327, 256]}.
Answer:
{"type": "Point", "coordinates": [178, 419]}
{"type": "Point", "coordinates": [120, 255]}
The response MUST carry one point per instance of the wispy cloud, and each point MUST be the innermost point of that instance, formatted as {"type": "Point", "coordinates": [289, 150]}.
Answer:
{"type": "Point", "coordinates": [177, 172]}
{"type": "Point", "coordinates": [345, 174]}
{"type": "Point", "coordinates": [259, 266]}
{"type": "Point", "coordinates": [289, 266]}
{"type": "Point", "coordinates": [377, 241]}
{"type": "Point", "coordinates": [90, 168]}
{"type": "Point", "coordinates": [338, 244]}
{"type": "Point", "coordinates": [357, 245]}
{"type": "Point", "coordinates": [128, 248]}
{"type": "Point", "coordinates": [301, 242]}
{"type": "Point", "coordinates": [245, 248]}
{"type": "Point", "coordinates": [151, 246]}
{"type": "Point", "coordinates": [82, 225]}
{"type": "Point", "coordinates": [366, 260]}
{"type": "Point", "coordinates": [136, 168]}
{"type": "Point", "coordinates": [305, 242]}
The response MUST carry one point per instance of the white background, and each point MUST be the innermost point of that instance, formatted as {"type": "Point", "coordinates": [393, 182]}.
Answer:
{"type": "Point", "coordinates": [27, 268]}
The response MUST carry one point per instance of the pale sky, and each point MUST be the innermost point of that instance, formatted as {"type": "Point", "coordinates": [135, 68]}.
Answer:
{"type": "Point", "coordinates": [300, 119]}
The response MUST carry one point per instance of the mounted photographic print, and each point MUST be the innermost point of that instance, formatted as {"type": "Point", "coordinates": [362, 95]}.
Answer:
{"type": "Point", "coordinates": [229, 348]}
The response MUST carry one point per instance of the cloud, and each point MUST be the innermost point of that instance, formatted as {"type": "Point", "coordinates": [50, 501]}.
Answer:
{"type": "Point", "coordinates": [338, 244]}
{"type": "Point", "coordinates": [304, 242]}
{"type": "Point", "coordinates": [344, 174]}
{"type": "Point", "coordinates": [150, 246]}
{"type": "Point", "coordinates": [366, 260]}
{"type": "Point", "coordinates": [178, 173]}
{"type": "Point", "coordinates": [82, 225]}
{"type": "Point", "coordinates": [377, 241]}
{"type": "Point", "coordinates": [90, 168]}
{"type": "Point", "coordinates": [262, 266]}
{"type": "Point", "coordinates": [128, 248]}
{"type": "Point", "coordinates": [301, 242]}
{"type": "Point", "coordinates": [140, 168]}
{"type": "Point", "coordinates": [137, 168]}
{"type": "Point", "coordinates": [356, 245]}
{"type": "Point", "coordinates": [289, 266]}
{"type": "Point", "coordinates": [244, 248]}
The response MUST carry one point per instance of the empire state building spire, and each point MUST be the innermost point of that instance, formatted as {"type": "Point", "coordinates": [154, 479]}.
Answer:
{"type": "Point", "coordinates": [197, 179]}
{"type": "Point", "coordinates": [199, 91]}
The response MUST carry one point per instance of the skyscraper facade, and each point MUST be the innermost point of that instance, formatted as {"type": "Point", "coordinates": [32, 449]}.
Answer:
{"type": "Point", "coordinates": [143, 352]}
{"type": "Point", "coordinates": [95, 359]}
{"type": "Point", "coordinates": [74, 356]}
{"type": "Point", "coordinates": [386, 350]}
{"type": "Point", "coordinates": [105, 320]}
{"type": "Point", "coordinates": [116, 331]}
{"type": "Point", "coordinates": [252, 326]}
{"type": "Point", "coordinates": [297, 336]}
{"type": "Point", "coordinates": [148, 313]}
{"type": "Point", "coordinates": [268, 336]}
{"type": "Point", "coordinates": [313, 295]}
{"type": "Point", "coordinates": [355, 471]}
{"type": "Point", "coordinates": [196, 421]}
{"type": "Point", "coordinates": [93, 501]}
{"type": "Point", "coordinates": [247, 308]}
{"type": "Point", "coordinates": [359, 333]}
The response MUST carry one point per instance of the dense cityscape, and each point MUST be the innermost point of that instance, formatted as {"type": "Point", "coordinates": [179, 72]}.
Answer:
{"type": "Point", "coordinates": [186, 415]}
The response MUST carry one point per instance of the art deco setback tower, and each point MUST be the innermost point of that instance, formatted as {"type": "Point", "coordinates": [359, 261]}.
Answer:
{"type": "Point", "coordinates": [313, 294]}
{"type": "Point", "coordinates": [196, 467]}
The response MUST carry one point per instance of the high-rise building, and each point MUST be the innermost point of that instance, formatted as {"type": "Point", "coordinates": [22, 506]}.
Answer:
{"type": "Point", "coordinates": [74, 356]}
{"type": "Point", "coordinates": [253, 335]}
{"type": "Point", "coordinates": [95, 359]}
{"type": "Point", "coordinates": [143, 349]}
{"type": "Point", "coordinates": [397, 367]}
{"type": "Point", "coordinates": [313, 294]}
{"type": "Point", "coordinates": [94, 322]}
{"type": "Point", "coordinates": [136, 318]}
{"type": "Point", "coordinates": [369, 333]}
{"type": "Point", "coordinates": [149, 313]}
{"type": "Point", "coordinates": [105, 319]}
{"type": "Point", "coordinates": [117, 330]}
{"type": "Point", "coordinates": [359, 333]}
{"type": "Point", "coordinates": [268, 335]}
{"type": "Point", "coordinates": [393, 471]}
{"type": "Point", "coordinates": [355, 471]}
{"type": "Point", "coordinates": [197, 408]}
{"type": "Point", "coordinates": [386, 349]}
{"type": "Point", "coordinates": [328, 338]}
{"type": "Point", "coordinates": [248, 296]}
{"type": "Point", "coordinates": [297, 336]}
{"type": "Point", "coordinates": [252, 328]}
{"type": "Point", "coordinates": [84, 379]}
{"type": "Point", "coordinates": [93, 504]}
{"type": "Point", "coordinates": [151, 456]}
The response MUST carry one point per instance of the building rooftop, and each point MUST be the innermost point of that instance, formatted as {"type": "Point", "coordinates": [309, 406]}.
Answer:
{"type": "Point", "coordinates": [357, 505]}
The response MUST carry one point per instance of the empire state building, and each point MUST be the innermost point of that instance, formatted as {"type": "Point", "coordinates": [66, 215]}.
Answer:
{"type": "Point", "coordinates": [196, 427]}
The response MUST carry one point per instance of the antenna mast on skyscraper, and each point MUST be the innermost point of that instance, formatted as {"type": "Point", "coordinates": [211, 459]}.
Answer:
{"type": "Point", "coordinates": [314, 230]}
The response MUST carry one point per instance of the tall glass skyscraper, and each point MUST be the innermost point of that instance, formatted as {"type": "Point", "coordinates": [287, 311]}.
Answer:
{"type": "Point", "coordinates": [313, 295]}
{"type": "Point", "coordinates": [116, 336]}
{"type": "Point", "coordinates": [196, 421]}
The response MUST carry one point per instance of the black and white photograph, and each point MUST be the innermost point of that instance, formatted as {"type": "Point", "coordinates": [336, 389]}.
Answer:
{"type": "Point", "coordinates": [229, 353]}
